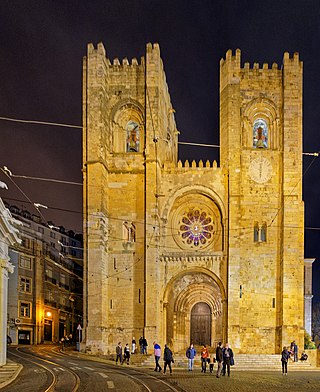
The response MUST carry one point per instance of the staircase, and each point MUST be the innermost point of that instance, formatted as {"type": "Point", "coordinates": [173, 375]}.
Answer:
{"type": "Point", "coordinates": [266, 362]}
{"type": "Point", "coordinates": [243, 362]}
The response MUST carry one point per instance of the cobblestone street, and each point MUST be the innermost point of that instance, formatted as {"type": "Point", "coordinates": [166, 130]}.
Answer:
{"type": "Point", "coordinates": [248, 381]}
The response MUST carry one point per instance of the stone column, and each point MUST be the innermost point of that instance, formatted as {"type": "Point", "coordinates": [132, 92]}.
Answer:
{"type": "Point", "coordinates": [308, 294]}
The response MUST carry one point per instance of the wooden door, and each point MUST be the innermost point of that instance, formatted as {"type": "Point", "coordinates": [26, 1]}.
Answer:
{"type": "Point", "coordinates": [200, 324]}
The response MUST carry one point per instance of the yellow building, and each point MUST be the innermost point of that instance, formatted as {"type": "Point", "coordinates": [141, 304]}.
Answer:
{"type": "Point", "coordinates": [192, 252]}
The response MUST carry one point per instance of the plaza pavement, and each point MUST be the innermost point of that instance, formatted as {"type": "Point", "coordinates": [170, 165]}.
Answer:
{"type": "Point", "coordinates": [195, 381]}
{"type": "Point", "coordinates": [240, 381]}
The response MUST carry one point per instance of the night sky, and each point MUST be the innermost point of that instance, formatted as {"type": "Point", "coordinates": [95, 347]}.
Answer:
{"type": "Point", "coordinates": [42, 44]}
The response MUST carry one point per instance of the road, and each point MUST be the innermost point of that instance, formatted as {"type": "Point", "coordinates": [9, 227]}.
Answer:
{"type": "Point", "coordinates": [47, 370]}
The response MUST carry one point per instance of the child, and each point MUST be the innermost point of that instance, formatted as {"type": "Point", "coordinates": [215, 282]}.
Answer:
{"type": "Point", "coordinates": [211, 363]}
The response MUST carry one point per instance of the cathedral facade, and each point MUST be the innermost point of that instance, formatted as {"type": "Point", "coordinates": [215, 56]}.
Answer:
{"type": "Point", "coordinates": [198, 252]}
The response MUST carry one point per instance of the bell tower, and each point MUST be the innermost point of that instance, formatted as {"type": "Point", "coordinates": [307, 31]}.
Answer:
{"type": "Point", "coordinates": [129, 133]}
{"type": "Point", "coordinates": [261, 148]}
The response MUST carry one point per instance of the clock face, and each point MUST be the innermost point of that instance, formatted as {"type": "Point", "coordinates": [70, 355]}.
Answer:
{"type": "Point", "coordinates": [260, 170]}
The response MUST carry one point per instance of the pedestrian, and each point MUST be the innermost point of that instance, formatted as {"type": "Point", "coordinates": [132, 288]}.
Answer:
{"type": "Point", "coordinates": [219, 359]}
{"type": "Point", "coordinates": [211, 362]}
{"type": "Point", "coordinates": [133, 345]}
{"type": "Point", "coordinates": [191, 353]}
{"type": "Point", "coordinates": [62, 344]}
{"type": "Point", "coordinates": [119, 353]}
{"type": "Point", "coordinates": [168, 358]}
{"type": "Point", "coordinates": [285, 355]}
{"type": "Point", "coordinates": [227, 354]}
{"type": "Point", "coordinates": [157, 356]}
{"type": "Point", "coordinates": [141, 345]}
{"type": "Point", "coordinates": [204, 358]}
{"type": "Point", "coordinates": [126, 354]}
{"type": "Point", "coordinates": [144, 346]}
{"type": "Point", "coordinates": [295, 351]}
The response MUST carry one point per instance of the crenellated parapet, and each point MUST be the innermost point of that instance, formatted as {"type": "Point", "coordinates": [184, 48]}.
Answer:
{"type": "Point", "coordinates": [232, 72]}
{"type": "Point", "coordinates": [184, 166]}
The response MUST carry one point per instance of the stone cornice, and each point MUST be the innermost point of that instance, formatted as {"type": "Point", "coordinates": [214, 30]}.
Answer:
{"type": "Point", "coordinates": [179, 258]}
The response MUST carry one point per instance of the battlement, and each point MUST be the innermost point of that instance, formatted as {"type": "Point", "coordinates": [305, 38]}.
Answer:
{"type": "Point", "coordinates": [234, 61]}
{"type": "Point", "coordinates": [100, 50]}
{"type": "Point", "coordinates": [169, 166]}
{"type": "Point", "coordinates": [152, 51]}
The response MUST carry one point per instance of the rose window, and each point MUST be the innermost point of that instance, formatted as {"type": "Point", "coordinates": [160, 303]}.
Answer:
{"type": "Point", "coordinates": [196, 228]}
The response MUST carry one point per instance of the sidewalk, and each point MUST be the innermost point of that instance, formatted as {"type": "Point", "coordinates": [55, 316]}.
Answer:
{"type": "Point", "coordinates": [9, 372]}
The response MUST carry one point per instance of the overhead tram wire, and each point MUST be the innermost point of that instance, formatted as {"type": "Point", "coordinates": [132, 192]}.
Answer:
{"type": "Point", "coordinates": [40, 122]}
{"type": "Point", "coordinates": [24, 194]}
{"type": "Point", "coordinates": [316, 154]}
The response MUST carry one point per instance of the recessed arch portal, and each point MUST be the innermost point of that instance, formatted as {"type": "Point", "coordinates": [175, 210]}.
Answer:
{"type": "Point", "coordinates": [191, 299]}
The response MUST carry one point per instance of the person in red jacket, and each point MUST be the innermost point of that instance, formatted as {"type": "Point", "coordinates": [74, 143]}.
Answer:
{"type": "Point", "coordinates": [204, 358]}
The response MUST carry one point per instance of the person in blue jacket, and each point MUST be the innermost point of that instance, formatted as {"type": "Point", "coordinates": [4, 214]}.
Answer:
{"type": "Point", "coordinates": [191, 353]}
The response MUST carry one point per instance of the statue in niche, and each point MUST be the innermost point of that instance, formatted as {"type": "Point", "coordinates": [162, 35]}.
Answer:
{"type": "Point", "coordinates": [260, 134]}
{"type": "Point", "coordinates": [132, 137]}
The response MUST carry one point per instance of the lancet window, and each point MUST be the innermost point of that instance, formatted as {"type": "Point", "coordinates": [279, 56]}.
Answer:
{"type": "Point", "coordinates": [133, 136]}
{"type": "Point", "coordinates": [260, 232]}
{"type": "Point", "coordinates": [260, 134]}
{"type": "Point", "coordinates": [129, 232]}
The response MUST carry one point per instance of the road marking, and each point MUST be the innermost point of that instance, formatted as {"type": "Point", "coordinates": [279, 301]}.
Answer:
{"type": "Point", "coordinates": [72, 363]}
{"type": "Point", "coordinates": [57, 369]}
{"type": "Point", "coordinates": [75, 368]}
{"type": "Point", "coordinates": [103, 375]}
{"type": "Point", "coordinates": [110, 384]}
{"type": "Point", "coordinates": [89, 368]}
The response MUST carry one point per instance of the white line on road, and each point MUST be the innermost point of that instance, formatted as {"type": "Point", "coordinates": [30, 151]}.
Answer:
{"type": "Point", "coordinates": [72, 363]}
{"type": "Point", "coordinates": [87, 367]}
{"type": "Point", "coordinates": [110, 384]}
{"type": "Point", "coordinates": [103, 375]}
{"type": "Point", "coordinates": [75, 368]}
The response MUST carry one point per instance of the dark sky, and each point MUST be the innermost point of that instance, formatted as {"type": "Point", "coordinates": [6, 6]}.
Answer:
{"type": "Point", "coordinates": [41, 48]}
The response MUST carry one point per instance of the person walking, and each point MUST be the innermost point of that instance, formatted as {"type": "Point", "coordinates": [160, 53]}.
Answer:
{"type": "Point", "coordinates": [219, 359]}
{"type": "Point", "coordinates": [285, 355]}
{"type": "Point", "coordinates": [157, 356]}
{"type": "Point", "coordinates": [168, 358]}
{"type": "Point", "coordinates": [126, 354]}
{"type": "Point", "coordinates": [191, 353]}
{"type": "Point", "coordinates": [119, 353]}
{"type": "Point", "coordinates": [227, 354]}
{"type": "Point", "coordinates": [204, 358]}
{"type": "Point", "coordinates": [133, 345]}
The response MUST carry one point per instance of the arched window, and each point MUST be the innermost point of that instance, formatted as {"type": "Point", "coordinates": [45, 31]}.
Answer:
{"type": "Point", "coordinates": [260, 134]}
{"type": "Point", "coordinates": [264, 232]}
{"type": "Point", "coordinates": [133, 136]}
{"type": "Point", "coordinates": [256, 232]}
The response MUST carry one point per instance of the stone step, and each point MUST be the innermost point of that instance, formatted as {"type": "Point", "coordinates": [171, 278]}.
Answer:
{"type": "Point", "coordinates": [242, 362]}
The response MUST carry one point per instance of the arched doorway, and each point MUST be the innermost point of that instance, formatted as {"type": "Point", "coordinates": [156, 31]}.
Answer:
{"type": "Point", "coordinates": [194, 310]}
{"type": "Point", "coordinates": [200, 325]}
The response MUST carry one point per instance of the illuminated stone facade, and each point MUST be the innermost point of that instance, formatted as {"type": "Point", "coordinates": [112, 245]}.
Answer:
{"type": "Point", "coordinates": [182, 252]}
